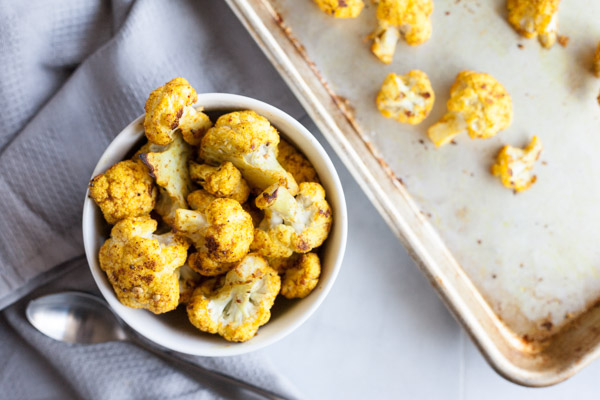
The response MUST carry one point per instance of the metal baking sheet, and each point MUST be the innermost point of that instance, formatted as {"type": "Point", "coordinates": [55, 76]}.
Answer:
{"type": "Point", "coordinates": [521, 272]}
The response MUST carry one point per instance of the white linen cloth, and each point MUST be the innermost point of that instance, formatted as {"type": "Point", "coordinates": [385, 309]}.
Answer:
{"type": "Point", "coordinates": [73, 73]}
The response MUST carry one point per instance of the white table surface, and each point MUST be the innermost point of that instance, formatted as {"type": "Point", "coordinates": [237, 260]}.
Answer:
{"type": "Point", "coordinates": [383, 332]}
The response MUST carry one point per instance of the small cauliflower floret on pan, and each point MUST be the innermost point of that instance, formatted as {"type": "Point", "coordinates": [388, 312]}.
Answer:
{"type": "Point", "coordinates": [124, 190]}
{"type": "Point", "coordinates": [478, 105]}
{"type": "Point", "coordinates": [407, 99]}
{"type": "Point", "coordinates": [221, 234]}
{"type": "Point", "coordinates": [143, 268]}
{"type": "Point", "coordinates": [296, 163]}
{"type": "Point", "coordinates": [513, 165]}
{"type": "Point", "coordinates": [532, 18]}
{"type": "Point", "coordinates": [597, 61]}
{"type": "Point", "coordinates": [292, 224]}
{"type": "Point", "coordinates": [407, 18]}
{"type": "Point", "coordinates": [222, 181]}
{"type": "Point", "coordinates": [169, 166]}
{"type": "Point", "coordinates": [170, 108]}
{"type": "Point", "coordinates": [236, 306]}
{"type": "Point", "coordinates": [189, 280]}
{"type": "Point", "coordinates": [341, 8]}
{"type": "Point", "coordinates": [247, 140]}
{"type": "Point", "coordinates": [300, 274]}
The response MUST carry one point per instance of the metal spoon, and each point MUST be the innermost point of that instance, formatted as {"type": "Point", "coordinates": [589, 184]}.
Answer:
{"type": "Point", "coordinates": [78, 317]}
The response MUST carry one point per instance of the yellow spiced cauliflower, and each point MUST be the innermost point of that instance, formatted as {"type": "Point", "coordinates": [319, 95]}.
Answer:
{"type": "Point", "coordinates": [143, 267]}
{"type": "Point", "coordinates": [407, 18]}
{"type": "Point", "coordinates": [200, 199]}
{"type": "Point", "coordinates": [292, 224]}
{"type": "Point", "coordinates": [124, 190]}
{"type": "Point", "coordinates": [341, 8]}
{"type": "Point", "coordinates": [222, 181]}
{"type": "Point", "coordinates": [296, 163]}
{"type": "Point", "coordinates": [407, 99]}
{"type": "Point", "coordinates": [532, 18]}
{"type": "Point", "coordinates": [238, 304]}
{"type": "Point", "coordinates": [169, 108]}
{"type": "Point", "coordinates": [513, 165]}
{"type": "Point", "coordinates": [169, 166]}
{"type": "Point", "coordinates": [478, 105]}
{"type": "Point", "coordinates": [300, 274]}
{"type": "Point", "coordinates": [249, 141]}
{"type": "Point", "coordinates": [221, 234]}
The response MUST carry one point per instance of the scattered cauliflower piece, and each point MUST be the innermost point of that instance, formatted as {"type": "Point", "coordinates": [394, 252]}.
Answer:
{"type": "Point", "coordinates": [206, 266]}
{"type": "Point", "coordinates": [341, 8]}
{"type": "Point", "coordinates": [170, 107]}
{"type": "Point", "coordinates": [124, 190]}
{"type": "Point", "coordinates": [200, 199]}
{"type": "Point", "coordinates": [223, 232]}
{"type": "Point", "coordinates": [597, 61]}
{"type": "Point", "coordinates": [143, 267]}
{"type": "Point", "coordinates": [235, 307]}
{"type": "Point", "coordinates": [409, 18]}
{"type": "Point", "coordinates": [188, 281]}
{"type": "Point", "coordinates": [222, 181]}
{"type": "Point", "coordinates": [300, 274]}
{"type": "Point", "coordinates": [296, 163]}
{"type": "Point", "coordinates": [292, 224]}
{"type": "Point", "coordinates": [407, 99]}
{"type": "Point", "coordinates": [513, 165]}
{"type": "Point", "coordinates": [478, 104]}
{"type": "Point", "coordinates": [532, 18]}
{"type": "Point", "coordinates": [247, 140]}
{"type": "Point", "coordinates": [169, 166]}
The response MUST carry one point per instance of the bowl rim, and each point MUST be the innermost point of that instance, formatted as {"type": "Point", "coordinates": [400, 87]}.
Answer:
{"type": "Point", "coordinates": [224, 101]}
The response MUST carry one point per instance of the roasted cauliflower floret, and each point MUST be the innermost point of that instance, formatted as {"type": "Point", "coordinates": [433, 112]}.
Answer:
{"type": "Point", "coordinates": [200, 199]}
{"type": "Point", "coordinates": [247, 140]}
{"type": "Point", "coordinates": [142, 267]}
{"type": "Point", "coordinates": [170, 108]}
{"type": "Point", "coordinates": [409, 18]}
{"type": "Point", "coordinates": [341, 8]}
{"type": "Point", "coordinates": [222, 233]}
{"type": "Point", "coordinates": [478, 104]}
{"type": "Point", "coordinates": [407, 98]}
{"type": "Point", "coordinates": [292, 224]}
{"type": "Point", "coordinates": [125, 190]}
{"type": "Point", "coordinates": [222, 181]}
{"type": "Point", "coordinates": [235, 307]}
{"type": "Point", "coordinates": [169, 166]}
{"type": "Point", "coordinates": [300, 275]}
{"type": "Point", "coordinates": [532, 18]}
{"type": "Point", "coordinates": [513, 165]}
{"type": "Point", "coordinates": [597, 61]}
{"type": "Point", "coordinates": [295, 163]}
{"type": "Point", "coordinates": [188, 281]}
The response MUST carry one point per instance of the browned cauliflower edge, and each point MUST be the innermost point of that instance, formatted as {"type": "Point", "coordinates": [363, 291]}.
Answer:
{"type": "Point", "coordinates": [222, 181]}
{"type": "Point", "coordinates": [301, 274]}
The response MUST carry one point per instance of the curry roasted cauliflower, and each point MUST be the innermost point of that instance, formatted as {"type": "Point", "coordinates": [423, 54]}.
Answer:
{"type": "Point", "coordinates": [222, 234]}
{"type": "Point", "coordinates": [236, 306]}
{"type": "Point", "coordinates": [170, 107]}
{"type": "Point", "coordinates": [169, 166]}
{"type": "Point", "coordinates": [200, 199]}
{"type": "Point", "coordinates": [222, 181]}
{"type": "Point", "coordinates": [300, 275]}
{"type": "Point", "coordinates": [407, 98]}
{"type": "Point", "coordinates": [532, 18]}
{"type": "Point", "coordinates": [513, 165]}
{"type": "Point", "coordinates": [409, 18]}
{"type": "Point", "coordinates": [249, 141]}
{"type": "Point", "coordinates": [292, 224]}
{"type": "Point", "coordinates": [143, 267]}
{"type": "Point", "coordinates": [341, 8]}
{"type": "Point", "coordinates": [296, 163]}
{"type": "Point", "coordinates": [478, 104]}
{"type": "Point", "coordinates": [124, 190]}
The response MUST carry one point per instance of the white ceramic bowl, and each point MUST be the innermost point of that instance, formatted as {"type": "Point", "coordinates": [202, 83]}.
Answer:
{"type": "Point", "coordinates": [173, 330]}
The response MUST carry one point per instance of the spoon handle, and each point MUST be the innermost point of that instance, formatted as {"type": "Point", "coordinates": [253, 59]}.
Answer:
{"type": "Point", "coordinates": [195, 371]}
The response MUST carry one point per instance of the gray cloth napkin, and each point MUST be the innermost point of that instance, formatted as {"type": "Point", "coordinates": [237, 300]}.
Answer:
{"type": "Point", "coordinates": [73, 74]}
